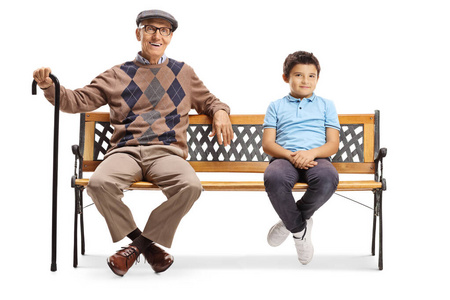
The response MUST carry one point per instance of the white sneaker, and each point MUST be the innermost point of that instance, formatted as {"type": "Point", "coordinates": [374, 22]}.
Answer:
{"type": "Point", "coordinates": [277, 234]}
{"type": "Point", "coordinates": [304, 246]}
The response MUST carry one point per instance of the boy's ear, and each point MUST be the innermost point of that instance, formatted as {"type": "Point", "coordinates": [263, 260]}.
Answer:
{"type": "Point", "coordinates": [285, 78]}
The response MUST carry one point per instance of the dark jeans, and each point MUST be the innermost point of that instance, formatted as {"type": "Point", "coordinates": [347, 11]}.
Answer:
{"type": "Point", "coordinates": [279, 179]}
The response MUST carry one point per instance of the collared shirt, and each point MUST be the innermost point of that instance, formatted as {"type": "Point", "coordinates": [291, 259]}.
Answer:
{"type": "Point", "coordinates": [145, 61]}
{"type": "Point", "coordinates": [301, 124]}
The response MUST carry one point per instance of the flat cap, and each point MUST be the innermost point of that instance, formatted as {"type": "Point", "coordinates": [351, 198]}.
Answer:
{"type": "Point", "coordinates": [157, 14]}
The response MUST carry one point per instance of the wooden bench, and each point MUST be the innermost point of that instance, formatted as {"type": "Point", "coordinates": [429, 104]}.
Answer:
{"type": "Point", "coordinates": [359, 153]}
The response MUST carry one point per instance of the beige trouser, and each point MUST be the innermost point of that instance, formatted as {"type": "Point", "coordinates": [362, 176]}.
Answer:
{"type": "Point", "coordinates": [161, 165]}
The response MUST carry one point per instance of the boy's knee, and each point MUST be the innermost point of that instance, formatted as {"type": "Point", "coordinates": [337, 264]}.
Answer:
{"type": "Point", "coordinates": [271, 177]}
{"type": "Point", "coordinates": [276, 181]}
{"type": "Point", "coordinates": [326, 180]}
{"type": "Point", "coordinates": [330, 185]}
{"type": "Point", "coordinates": [332, 177]}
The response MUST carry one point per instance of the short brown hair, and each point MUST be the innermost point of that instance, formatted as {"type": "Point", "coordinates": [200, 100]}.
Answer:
{"type": "Point", "coordinates": [300, 57]}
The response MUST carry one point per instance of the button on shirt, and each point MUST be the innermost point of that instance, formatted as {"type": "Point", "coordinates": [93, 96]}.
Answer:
{"type": "Point", "coordinates": [301, 124]}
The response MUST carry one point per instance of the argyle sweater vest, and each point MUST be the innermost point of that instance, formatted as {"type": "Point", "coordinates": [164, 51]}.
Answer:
{"type": "Point", "coordinates": [149, 104]}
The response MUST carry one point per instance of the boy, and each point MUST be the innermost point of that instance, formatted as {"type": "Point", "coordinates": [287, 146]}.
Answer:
{"type": "Point", "coordinates": [301, 132]}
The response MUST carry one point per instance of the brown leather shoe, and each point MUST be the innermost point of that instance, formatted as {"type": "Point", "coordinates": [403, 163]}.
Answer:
{"type": "Point", "coordinates": [158, 259]}
{"type": "Point", "coordinates": [123, 260]}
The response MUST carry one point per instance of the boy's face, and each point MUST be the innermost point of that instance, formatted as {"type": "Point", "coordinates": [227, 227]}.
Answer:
{"type": "Point", "coordinates": [302, 80]}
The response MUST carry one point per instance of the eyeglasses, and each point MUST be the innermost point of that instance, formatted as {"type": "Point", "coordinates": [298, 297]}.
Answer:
{"type": "Point", "coordinates": [150, 29]}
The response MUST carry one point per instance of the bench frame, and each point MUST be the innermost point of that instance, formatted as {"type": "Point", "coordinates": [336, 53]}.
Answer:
{"type": "Point", "coordinates": [359, 153]}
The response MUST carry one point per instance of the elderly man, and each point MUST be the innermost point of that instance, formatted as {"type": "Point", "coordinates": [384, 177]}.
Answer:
{"type": "Point", "coordinates": [149, 99]}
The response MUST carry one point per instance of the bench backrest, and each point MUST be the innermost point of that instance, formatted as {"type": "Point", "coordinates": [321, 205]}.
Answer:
{"type": "Point", "coordinates": [359, 143]}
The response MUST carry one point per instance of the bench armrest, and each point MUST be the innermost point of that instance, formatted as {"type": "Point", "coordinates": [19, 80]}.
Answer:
{"type": "Point", "coordinates": [78, 159]}
{"type": "Point", "coordinates": [76, 151]}
{"type": "Point", "coordinates": [379, 171]}
{"type": "Point", "coordinates": [381, 153]}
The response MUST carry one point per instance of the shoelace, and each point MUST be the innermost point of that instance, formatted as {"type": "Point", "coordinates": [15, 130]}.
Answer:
{"type": "Point", "coordinates": [129, 251]}
{"type": "Point", "coordinates": [303, 236]}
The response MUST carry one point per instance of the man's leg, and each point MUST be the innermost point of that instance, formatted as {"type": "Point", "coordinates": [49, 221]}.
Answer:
{"type": "Point", "coordinates": [116, 173]}
{"type": "Point", "coordinates": [179, 182]}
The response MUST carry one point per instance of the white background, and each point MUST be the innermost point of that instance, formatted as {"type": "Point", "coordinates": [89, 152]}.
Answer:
{"type": "Point", "coordinates": [386, 55]}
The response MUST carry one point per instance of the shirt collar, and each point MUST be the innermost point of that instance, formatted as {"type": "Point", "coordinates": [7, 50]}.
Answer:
{"type": "Point", "coordinates": [144, 61]}
{"type": "Point", "coordinates": [293, 99]}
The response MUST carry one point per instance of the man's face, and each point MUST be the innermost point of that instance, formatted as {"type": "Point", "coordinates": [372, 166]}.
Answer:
{"type": "Point", "coordinates": [302, 80]}
{"type": "Point", "coordinates": [153, 45]}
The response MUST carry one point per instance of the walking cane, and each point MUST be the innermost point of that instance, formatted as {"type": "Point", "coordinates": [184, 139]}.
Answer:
{"type": "Point", "coordinates": [55, 165]}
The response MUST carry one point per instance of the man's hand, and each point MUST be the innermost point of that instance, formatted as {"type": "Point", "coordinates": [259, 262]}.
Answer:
{"type": "Point", "coordinates": [221, 126]}
{"type": "Point", "coordinates": [303, 159]}
{"type": "Point", "coordinates": [42, 77]}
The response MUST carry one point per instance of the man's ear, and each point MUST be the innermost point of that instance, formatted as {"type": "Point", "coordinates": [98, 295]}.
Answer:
{"type": "Point", "coordinates": [138, 34]}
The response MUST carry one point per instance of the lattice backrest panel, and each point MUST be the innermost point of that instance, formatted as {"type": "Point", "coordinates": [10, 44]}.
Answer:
{"type": "Point", "coordinates": [359, 143]}
{"type": "Point", "coordinates": [103, 133]}
{"type": "Point", "coordinates": [351, 144]}
{"type": "Point", "coordinates": [246, 145]}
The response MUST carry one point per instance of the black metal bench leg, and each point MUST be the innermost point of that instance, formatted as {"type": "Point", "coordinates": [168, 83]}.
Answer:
{"type": "Point", "coordinates": [374, 227]}
{"type": "Point", "coordinates": [78, 213]}
{"type": "Point", "coordinates": [83, 245]}
{"type": "Point", "coordinates": [75, 229]}
{"type": "Point", "coordinates": [380, 216]}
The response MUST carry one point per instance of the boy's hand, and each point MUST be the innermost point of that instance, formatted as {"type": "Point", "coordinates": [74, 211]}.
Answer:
{"type": "Point", "coordinates": [303, 159]}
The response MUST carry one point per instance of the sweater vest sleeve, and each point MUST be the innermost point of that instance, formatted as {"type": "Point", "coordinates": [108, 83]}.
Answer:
{"type": "Point", "coordinates": [85, 99]}
{"type": "Point", "coordinates": [203, 101]}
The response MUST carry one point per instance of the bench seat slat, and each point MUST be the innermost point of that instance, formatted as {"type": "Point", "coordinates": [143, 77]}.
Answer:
{"type": "Point", "coordinates": [252, 167]}
{"type": "Point", "coordinates": [362, 185]}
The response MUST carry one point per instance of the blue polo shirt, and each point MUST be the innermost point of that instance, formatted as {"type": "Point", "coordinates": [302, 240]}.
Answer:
{"type": "Point", "coordinates": [301, 124]}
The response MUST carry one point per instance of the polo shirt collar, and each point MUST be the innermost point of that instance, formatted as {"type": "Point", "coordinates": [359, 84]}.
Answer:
{"type": "Point", "coordinates": [293, 99]}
